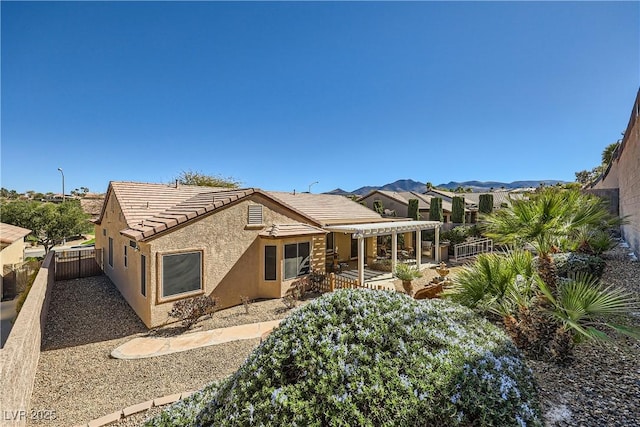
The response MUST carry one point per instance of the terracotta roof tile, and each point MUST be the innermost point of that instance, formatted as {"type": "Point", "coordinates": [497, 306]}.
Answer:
{"type": "Point", "coordinates": [285, 230]}
{"type": "Point", "coordinates": [326, 208]}
{"type": "Point", "coordinates": [11, 233]}
{"type": "Point", "coordinates": [197, 204]}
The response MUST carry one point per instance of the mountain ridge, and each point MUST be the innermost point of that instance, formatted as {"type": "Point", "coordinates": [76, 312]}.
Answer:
{"type": "Point", "coordinates": [475, 186]}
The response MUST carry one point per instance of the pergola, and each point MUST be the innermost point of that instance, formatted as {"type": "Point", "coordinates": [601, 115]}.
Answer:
{"type": "Point", "coordinates": [374, 229]}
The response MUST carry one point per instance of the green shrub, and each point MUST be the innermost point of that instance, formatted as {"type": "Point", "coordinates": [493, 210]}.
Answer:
{"type": "Point", "coordinates": [485, 283]}
{"type": "Point", "coordinates": [374, 358]}
{"type": "Point", "coordinates": [485, 204]}
{"type": "Point", "coordinates": [413, 209]}
{"type": "Point", "coordinates": [435, 209]}
{"type": "Point", "coordinates": [456, 235]}
{"type": "Point", "coordinates": [378, 206]}
{"type": "Point", "coordinates": [457, 210]}
{"type": "Point", "coordinates": [571, 264]}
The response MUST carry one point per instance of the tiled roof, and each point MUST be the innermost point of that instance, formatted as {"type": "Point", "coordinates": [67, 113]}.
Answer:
{"type": "Point", "coordinates": [199, 204]}
{"type": "Point", "coordinates": [326, 208]}
{"type": "Point", "coordinates": [284, 230]}
{"type": "Point", "coordinates": [10, 233]}
{"type": "Point", "coordinates": [499, 197]}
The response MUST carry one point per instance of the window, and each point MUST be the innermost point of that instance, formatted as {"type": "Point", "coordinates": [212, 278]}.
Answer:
{"type": "Point", "coordinates": [296, 260]}
{"type": "Point", "coordinates": [143, 275]}
{"type": "Point", "coordinates": [181, 273]}
{"type": "Point", "coordinates": [104, 232]}
{"type": "Point", "coordinates": [111, 252]}
{"type": "Point", "coordinates": [125, 257]}
{"type": "Point", "coordinates": [255, 215]}
{"type": "Point", "coordinates": [270, 263]}
{"type": "Point", "coordinates": [329, 239]}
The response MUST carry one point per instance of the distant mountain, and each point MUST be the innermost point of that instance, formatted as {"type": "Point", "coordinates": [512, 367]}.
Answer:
{"type": "Point", "coordinates": [476, 186]}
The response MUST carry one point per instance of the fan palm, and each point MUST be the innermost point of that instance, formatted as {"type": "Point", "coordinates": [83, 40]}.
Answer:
{"type": "Point", "coordinates": [546, 221]}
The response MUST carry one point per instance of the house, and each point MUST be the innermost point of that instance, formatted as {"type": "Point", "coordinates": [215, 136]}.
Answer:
{"type": "Point", "coordinates": [11, 249]}
{"type": "Point", "coordinates": [398, 203]}
{"type": "Point", "coordinates": [470, 209]}
{"type": "Point", "coordinates": [620, 183]}
{"type": "Point", "coordinates": [163, 243]}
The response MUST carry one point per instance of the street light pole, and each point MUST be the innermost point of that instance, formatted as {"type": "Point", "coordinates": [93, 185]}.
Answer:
{"type": "Point", "coordinates": [63, 197]}
{"type": "Point", "coordinates": [311, 185]}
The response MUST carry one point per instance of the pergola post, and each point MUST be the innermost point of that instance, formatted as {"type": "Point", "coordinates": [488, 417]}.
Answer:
{"type": "Point", "coordinates": [418, 248]}
{"type": "Point", "coordinates": [437, 245]}
{"type": "Point", "coordinates": [394, 250]}
{"type": "Point", "coordinates": [360, 260]}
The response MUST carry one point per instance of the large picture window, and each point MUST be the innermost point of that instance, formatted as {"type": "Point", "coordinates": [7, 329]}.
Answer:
{"type": "Point", "coordinates": [270, 263]}
{"type": "Point", "coordinates": [296, 260]}
{"type": "Point", "coordinates": [181, 273]}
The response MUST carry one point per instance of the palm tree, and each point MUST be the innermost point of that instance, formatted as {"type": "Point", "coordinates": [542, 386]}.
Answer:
{"type": "Point", "coordinates": [547, 222]}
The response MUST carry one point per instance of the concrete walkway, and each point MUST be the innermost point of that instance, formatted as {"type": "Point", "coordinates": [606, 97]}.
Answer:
{"type": "Point", "coordinates": [139, 348]}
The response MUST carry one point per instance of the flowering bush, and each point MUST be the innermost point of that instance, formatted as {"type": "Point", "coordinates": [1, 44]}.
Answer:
{"type": "Point", "coordinates": [572, 264]}
{"type": "Point", "coordinates": [358, 357]}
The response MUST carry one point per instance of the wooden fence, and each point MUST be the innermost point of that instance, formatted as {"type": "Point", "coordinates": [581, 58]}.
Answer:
{"type": "Point", "coordinates": [332, 281]}
{"type": "Point", "coordinates": [76, 263]}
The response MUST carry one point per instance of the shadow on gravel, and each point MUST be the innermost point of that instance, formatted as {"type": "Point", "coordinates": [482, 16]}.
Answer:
{"type": "Point", "coordinates": [88, 310]}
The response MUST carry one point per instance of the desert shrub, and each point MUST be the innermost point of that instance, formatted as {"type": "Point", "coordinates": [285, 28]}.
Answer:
{"type": "Point", "coordinates": [376, 358]}
{"type": "Point", "coordinates": [484, 283]}
{"type": "Point", "coordinates": [381, 265]}
{"type": "Point", "coordinates": [571, 264]}
{"type": "Point", "coordinates": [184, 411]}
{"type": "Point", "coordinates": [190, 310]}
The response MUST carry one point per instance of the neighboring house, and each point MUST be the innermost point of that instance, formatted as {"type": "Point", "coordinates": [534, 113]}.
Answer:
{"type": "Point", "coordinates": [162, 243]}
{"type": "Point", "coordinates": [501, 198]}
{"type": "Point", "coordinates": [470, 210]}
{"type": "Point", "coordinates": [91, 204]}
{"type": "Point", "coordinates": [398, 202]}
{"type": "Point", "coordinates": [11, 248]}
{"type": "Point", "coordinates": [621, 180]}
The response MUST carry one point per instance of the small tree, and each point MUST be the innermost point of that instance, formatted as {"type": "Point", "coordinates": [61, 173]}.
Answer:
{"type": "Point", "coordinates": [49, 223]}
{"type": "Point", "coordinates": [198, 178]}
{"type": "Point", "coordinates": [457, 210]}
{"type": "Point", "coordinates": [435, 210]}
{"type": "Point", "coordinates": [485, 204]}
{"type": "Point", "coordinates": [414, 209]}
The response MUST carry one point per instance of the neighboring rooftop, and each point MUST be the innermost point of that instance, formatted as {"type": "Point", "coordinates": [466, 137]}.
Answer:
{"type": "Point", "coordinates": [326, 209]}
{"type": "Point", "coordinates": [11, 233]}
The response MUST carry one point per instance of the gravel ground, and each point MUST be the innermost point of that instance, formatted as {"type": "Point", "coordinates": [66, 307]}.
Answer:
{"type": "Point", "coordinates": [600, 386]}
{"type": "Point", "coordinates": [87, 319]}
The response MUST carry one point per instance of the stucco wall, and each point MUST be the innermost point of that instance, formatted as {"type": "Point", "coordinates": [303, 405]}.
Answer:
{"type": "Point", "coordinates": [629, 182]}
{"type": "Point", "coordinates": [401, 209]}
{"type": "Point", "coordinates": [12, 254]}
{"type": "Point", "coordinates": [19, 357]}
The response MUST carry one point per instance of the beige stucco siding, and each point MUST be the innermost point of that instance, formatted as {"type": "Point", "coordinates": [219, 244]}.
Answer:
{"type": "Point", "coordinates": [233, 255]}
{"type": "Point", "coordinates": [126, 279]}
{"type": "Point", "coordinates": [12, 254]}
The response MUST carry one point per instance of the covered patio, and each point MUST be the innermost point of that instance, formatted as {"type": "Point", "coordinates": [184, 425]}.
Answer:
{"type": "Point", "coordinates": [392, 228]}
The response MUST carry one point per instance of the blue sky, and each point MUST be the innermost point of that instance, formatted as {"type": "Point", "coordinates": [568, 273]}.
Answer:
{"type": "Point", "coordinates": [280, 95]}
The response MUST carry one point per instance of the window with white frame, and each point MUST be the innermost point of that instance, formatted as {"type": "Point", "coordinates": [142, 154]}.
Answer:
{"type": "Point", "coordinates": [296, 260]}
{"type": "Point", "coordinates": [181, 273]}
{"type": "Point", "coordinates": [255, 215]}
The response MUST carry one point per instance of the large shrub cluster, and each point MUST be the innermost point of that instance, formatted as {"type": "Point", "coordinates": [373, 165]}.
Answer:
{"type": "Point", "coordinates": [572, 264]}
{"type": "Point", "coordinates": [376, 358]}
